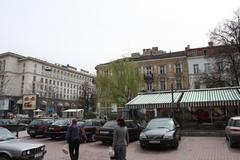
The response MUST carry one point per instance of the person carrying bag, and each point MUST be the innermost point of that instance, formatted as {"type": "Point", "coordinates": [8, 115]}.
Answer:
{"type": "Point", "coordinates": [75, 136]}
{"type": "Point", "coordinates": [120, 140]}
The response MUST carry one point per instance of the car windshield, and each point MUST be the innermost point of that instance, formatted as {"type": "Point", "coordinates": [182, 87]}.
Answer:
{"type": "Point", "coordinates": [88, 123]}
{"type": "Point", "coordinates": [110, 124]}
{"type": "Point", "coordinates": [61, 122]}
{"type": "Point", "coordinates": [6, 135]}
{"type": "Point", "coordinates": [81, 123]}
{"type": "Point", "coordinates": [164, 123]}
{"type": "Point", "coordinates": [36, 122]}
{"type": "Point", "coordinates": [7, 122]}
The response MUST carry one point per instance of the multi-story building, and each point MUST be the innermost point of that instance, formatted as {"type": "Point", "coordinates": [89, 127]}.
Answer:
{"type": "Point", "coordinates": [57, 86]}
{"type": "Point", "coordinates": [199, 63]}
{"type": "Point", "coordinates": [160, 71]}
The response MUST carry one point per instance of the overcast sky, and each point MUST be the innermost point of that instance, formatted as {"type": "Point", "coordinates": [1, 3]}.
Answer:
{"type": "Point", "coordinates": [85, 33]}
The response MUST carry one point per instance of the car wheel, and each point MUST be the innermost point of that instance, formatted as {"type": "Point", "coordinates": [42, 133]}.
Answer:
{"type": "Point", "coordinates": [142, 146]}
{"type": "Point", "coordinates": [226, 137]}
{"type": "Point", "coordinates": [180, 138]}
{"type": "Point", "coordinates": [176, 143]}
{"type": "Point", "coordinates": [4, 157]}
{"type": "Point", "coordinates": [93, 137]}
{"type": "Point", "coordinates": [32, 135]}
{"type": "Point", "coordinates": [53, 137]}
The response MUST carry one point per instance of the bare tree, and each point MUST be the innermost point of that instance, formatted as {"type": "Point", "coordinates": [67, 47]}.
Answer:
{"type": "Point", "coordinates": [226, 70]}
{"type": "Point", "coordinates": [87, 98]}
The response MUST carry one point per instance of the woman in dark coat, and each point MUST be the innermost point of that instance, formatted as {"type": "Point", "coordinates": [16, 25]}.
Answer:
{"type": "Point", "coordinates": [120, 140]}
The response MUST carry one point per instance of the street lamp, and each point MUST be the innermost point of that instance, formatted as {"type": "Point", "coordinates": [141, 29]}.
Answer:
{"type": "Point", "coordinates": [172, 100]}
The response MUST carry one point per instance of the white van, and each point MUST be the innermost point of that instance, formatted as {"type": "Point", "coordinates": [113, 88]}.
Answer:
{"type": "Point", "coordinates": [73, 113]}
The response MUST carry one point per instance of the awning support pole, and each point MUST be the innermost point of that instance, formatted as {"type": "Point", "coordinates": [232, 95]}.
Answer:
{"type": "Point", "coordinates": [211, 115]}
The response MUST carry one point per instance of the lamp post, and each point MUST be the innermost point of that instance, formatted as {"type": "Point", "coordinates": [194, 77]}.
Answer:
{"type": "Point", "coordinates": [172, 100]}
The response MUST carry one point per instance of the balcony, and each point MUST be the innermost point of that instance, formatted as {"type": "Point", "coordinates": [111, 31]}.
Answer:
{"type": "Point", "coordinates": [148, 77]}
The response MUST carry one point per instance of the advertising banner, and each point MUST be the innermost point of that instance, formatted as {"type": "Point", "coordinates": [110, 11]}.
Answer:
{"type": "Point", "coordinates": [29, 102]}
{"type": "Point", "coordinates": [4, 104]}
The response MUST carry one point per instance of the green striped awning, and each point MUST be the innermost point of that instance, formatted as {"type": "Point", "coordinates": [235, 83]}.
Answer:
{"type": "Point", "coordinates": [210, 98]}
{"type": "Point", "coordinates": [151, 101]}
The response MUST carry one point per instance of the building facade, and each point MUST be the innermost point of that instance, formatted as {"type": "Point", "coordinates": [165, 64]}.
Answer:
{"type": "Point", "coordinates": [160, 71]}
{"type": "Point", "coordinates": [57, 87]}
{"type": "Point", "coordinates": [201, 62]}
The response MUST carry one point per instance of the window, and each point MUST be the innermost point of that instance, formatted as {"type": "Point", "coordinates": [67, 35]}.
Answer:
{"type": "Point", "coordinates": [205, 52]}
{"type": "Point", "coordinates": [50, 81]}
{"type": "Point", "coordinates": [194, 52]}
{"type": "Point", "coordinates": [41, 80]}
{"type": "Point", "coordinates": [34, 87]}
{"type": "Point", "coordinates": [206, 67]}
{"type": "Point", "coordinates": [197, 85]}
{"type": "Point", "coordinates": [35, 68]}
{"type": "Point", "coordinates": [179, 84]}
{"type": "Point", "coordinates": [195, 68]}
{"type": "Point", "coordinates": [34, 78]}
{"type": "Point", "coordinates": [178, 68]}
{"type": "Point", "coordinates": [148, 69]}
{"type": "Point", "coordinates": [220, 66]}
{"type": "Point", "coordinates": [24, 67]}
{"type": "Point", "coordinates": [162, 70]}
{"type": "Point", "coordinates": [46, 80]}
{"type": "Point", "coordinates": [162, 85]}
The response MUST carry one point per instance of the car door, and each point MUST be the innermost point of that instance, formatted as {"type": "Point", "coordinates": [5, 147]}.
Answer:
{"type": "Point", "coordinates": [133, 130]}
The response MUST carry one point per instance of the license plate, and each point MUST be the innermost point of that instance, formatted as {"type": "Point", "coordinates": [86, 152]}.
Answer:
{"type": "Point", "coordinates": [104, 132]}
{"type": "Point", "coordinates": [38, 155]}
{"type": "Point", "coordinates": [51, 128]}
{"type": "Point", "coordinates": [154, 142]}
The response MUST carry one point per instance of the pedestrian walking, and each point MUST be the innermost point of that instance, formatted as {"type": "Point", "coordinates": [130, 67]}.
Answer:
{"type": "Point", "coordinates": [120, 140]}
{"type": "Point", "coordinates": [74, 138]}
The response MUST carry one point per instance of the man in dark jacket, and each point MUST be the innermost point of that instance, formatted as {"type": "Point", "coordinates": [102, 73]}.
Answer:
{"type": "Point", "coordinates": [73, 137]}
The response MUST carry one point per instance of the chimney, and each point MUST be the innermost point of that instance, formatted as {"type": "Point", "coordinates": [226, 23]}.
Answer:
{"type": "Point", "coordinates": [187, 48]}
{"type": "Point", "coordinates": [210, 44]}
{"type": "Point", "coordinates": [155, 48]}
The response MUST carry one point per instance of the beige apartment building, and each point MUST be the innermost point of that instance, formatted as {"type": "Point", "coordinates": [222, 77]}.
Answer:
{"type": "Point", "coordinates": [160, 71]}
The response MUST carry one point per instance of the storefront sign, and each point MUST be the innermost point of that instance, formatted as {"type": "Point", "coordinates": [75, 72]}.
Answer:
{"type": "Point", "coordinates": [29, 102]}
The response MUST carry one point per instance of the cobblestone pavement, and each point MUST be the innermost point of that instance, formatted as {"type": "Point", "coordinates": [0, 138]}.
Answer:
{"type": "Point", "coordinates": [190, 148]}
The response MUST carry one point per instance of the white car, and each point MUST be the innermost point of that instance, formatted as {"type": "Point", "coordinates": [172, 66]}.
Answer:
{"type": "Point", "coordinates": [232, 131]}
{"type": "Point", "coordinates": [12, 148]}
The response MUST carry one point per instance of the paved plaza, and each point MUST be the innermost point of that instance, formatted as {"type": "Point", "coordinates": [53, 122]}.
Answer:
{"type": "Point", "coordinates": [190, 148]}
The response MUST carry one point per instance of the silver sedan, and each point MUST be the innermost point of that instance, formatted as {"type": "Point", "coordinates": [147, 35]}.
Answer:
{"type": "Point", "coordinates": [12, 148]}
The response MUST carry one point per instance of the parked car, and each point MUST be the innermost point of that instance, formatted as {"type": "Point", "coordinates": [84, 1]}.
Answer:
{"type": "Point", "coordinates": [232, 131]}
{"type": "Point", "coordinates": [12, 125]}
{"type": "Point", "coordinates": [58, 128]}
{"type": "Point", "coordinates": [161, 132]}
{"type": "Point", "coordinates": [12, 148]}
{"type": "Point", "coordinates": [90, 127]}
{"type": "Point", "coordinates": [39, 127]}
{"type": "Point", "coordinates": [105, 133]}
